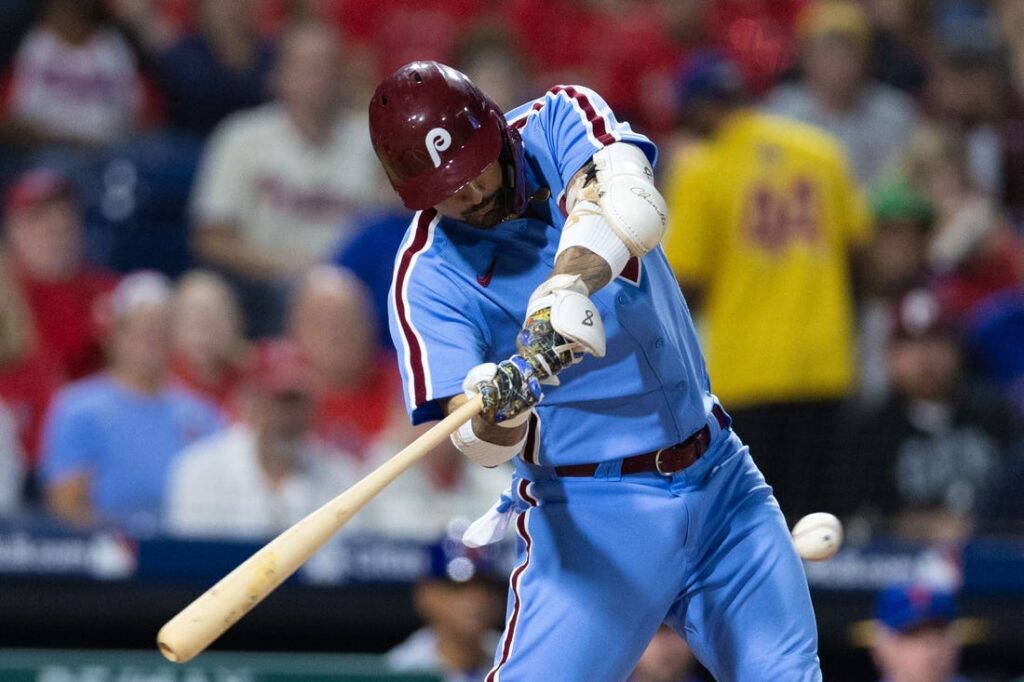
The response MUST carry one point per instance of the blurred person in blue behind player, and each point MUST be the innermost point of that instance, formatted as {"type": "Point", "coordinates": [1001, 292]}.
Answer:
{"type": "Point", "coordinates": [536, 243]}
{"type": "Point", "coordinates": [915, 637]}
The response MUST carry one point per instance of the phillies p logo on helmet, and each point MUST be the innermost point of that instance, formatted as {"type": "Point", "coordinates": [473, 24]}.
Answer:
{"type": "Point", "coordinates": [438, 140]}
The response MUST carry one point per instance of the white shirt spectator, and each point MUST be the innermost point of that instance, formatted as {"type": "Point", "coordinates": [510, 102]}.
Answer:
{"type": "Point", "coordinates": [91, 91]}
{"type": "Point", "coordinates": [282, 191]}
{"type": "Point", "coordinates": [872, 132]}
{"type": "Point", "coordinates": [419, 653]}
{"type": "Point", "coordinates": [419, 504]}
{"type": "Point", "coordinates": [11, 460]}
{"type": "Point", "coordinates": [218, 489]}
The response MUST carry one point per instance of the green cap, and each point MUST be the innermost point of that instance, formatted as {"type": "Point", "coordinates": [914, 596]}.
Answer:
{"type": "Point", "coordinates": [897, 201]}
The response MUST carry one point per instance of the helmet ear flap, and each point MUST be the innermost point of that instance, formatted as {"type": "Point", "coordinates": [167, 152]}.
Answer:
{"type": "Point", "coordinates": [513, 166]}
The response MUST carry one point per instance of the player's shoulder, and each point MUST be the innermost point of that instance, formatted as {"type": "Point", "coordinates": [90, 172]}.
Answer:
{"type": "Point", "coordinates": [555, 101]}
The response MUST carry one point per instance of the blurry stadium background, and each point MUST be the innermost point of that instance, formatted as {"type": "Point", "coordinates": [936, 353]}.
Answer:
{"type": "Point", "coordinates": [196, 250]}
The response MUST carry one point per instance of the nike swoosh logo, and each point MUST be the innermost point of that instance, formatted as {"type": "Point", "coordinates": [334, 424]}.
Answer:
{"type": "Point", "coordinates": [485, 279]}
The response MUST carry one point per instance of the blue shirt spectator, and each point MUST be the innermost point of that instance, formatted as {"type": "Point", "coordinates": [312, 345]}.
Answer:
{"type": "Point", "coordinates": [109, 439]}
{"type": "Point", "coordinates": [125, 440]}
{"type": "Point", "coordinates": [370, 255]}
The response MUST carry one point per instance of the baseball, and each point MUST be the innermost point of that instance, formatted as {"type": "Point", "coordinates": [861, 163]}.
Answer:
{"type": "Point", "coordinates": [817, 536]}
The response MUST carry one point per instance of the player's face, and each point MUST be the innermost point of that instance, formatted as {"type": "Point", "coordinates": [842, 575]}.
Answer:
{"type": "Point", "coordinates": [480, 203]}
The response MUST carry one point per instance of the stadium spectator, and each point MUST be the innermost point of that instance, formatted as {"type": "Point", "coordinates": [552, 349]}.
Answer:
{"type": "Point", "coordinates": [930, 456]}
{"type": "Point", "coordinates": [219, 67]}
{"type": "Point", "coordinates": [966, 91]}
{"type": "Point", "coordinates": [902, 42]}
{"type": "Point", "coordinates": [915, 637]}
{"type": "Point", "coordinates": [442, 486]}
{"type": "Point", "coordinates": [973, 250]}
{"type": "Point", "coordinates": [666, 659]}
{"type": "Point", "coordinates": [396, 29]}
{"type": "Point", "coordinates": [489, 56]}
{"type": "Point", "coordinates": [43, 229]}
{"type": "Point", "coordinates": [265, 472]}
{"type": "Point", "coordinates": [370, 256]}
{"type": "Point", "coordinates": [763, 257]}
{"type": "Point", "coordinates": [110, 439]}
{"type": "Point", "coordinates": [74, 80]}
{"type": "Point", "coordinates": [871, 119]}
{"type": "Point", "coordinates": [280, 184]}
{"type": "Point", "coordinates": [28, 377]}
{"type": "Point", "coordinates": [459, 604]}
{"type": "Point", "coordinates": [641, 53]}
{"type": "Point", "coordinates": [11, 464]}
{"type": "Point", "coordinates": [332, 321]}
{"type": "Point", "coordinates": [995, 340]}
{"type": "Point", "coordinates": [893, 263]}
{"type": "Point", "coordinates": [209, 350]}
{"type": "Point", "coordinates": [757, 35]}
{"type": "Point", "coordinates": [1010, 14]}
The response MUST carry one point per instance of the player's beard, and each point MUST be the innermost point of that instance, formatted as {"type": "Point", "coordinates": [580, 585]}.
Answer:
{"type": "Point", "coordinates": [489, 212]}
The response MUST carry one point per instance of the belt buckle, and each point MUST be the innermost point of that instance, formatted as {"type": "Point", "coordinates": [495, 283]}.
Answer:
{"type": "Point", "coordinates": [657, 462]}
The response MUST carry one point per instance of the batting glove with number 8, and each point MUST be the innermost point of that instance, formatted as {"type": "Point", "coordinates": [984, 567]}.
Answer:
{"type": "Point", "coordinates": [561, 325]}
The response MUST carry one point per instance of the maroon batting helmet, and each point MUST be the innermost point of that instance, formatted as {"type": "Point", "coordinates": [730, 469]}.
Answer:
{"type": "Point", "coordinates": [434, 131]}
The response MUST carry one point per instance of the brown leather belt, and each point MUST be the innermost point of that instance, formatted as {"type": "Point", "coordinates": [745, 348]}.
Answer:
{"type": "Point", "coordinates": [665, 461]}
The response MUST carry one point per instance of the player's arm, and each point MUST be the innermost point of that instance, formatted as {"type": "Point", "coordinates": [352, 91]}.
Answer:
{"type": "Point", "coordinates": [614, 213]}
{"type": "Point", "coordinates": [510, 389]}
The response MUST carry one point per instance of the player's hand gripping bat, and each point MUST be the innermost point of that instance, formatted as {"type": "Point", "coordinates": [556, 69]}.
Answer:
{"type": "Point", "coordinates": [220, 607]}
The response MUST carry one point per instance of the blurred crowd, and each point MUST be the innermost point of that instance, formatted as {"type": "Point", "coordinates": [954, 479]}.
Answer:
{"type": "Point", "coordinates": [198, 242]}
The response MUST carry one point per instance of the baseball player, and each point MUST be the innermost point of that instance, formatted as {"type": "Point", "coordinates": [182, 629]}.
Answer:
{"type": "Point", "coordinates": [532, 275]}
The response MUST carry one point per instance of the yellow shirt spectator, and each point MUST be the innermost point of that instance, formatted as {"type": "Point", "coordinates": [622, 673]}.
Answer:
{"type": "Point", "coordinates": [762, 217]}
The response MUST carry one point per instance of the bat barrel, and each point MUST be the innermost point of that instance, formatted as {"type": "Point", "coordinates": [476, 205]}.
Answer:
{"type": "Point", "coordinates": [204, 620]}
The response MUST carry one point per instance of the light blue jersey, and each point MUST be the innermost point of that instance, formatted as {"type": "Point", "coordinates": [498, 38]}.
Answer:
{"type": "Point", "coordinates": [459, 297]}
{"type": "Point", "coordinates": [603, 560]}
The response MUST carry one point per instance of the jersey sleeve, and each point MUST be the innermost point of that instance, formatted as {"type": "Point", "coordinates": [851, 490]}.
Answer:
{"type": "Point", "coordinates": [577, 122]}
{"type": "Point", "coordinates": [687, 239]}
{"type": "Point", "coordinates": [432, 326]}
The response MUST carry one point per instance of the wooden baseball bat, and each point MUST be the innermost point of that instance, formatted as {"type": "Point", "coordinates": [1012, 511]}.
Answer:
{"type": "Point", "coordinates": [205, 619]}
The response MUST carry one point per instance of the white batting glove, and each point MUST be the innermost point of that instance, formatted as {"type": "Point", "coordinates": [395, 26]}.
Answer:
{"type": "Point", "coordinates": [480, 451]}
{"type": "Point", "coordinates": [483, 373]}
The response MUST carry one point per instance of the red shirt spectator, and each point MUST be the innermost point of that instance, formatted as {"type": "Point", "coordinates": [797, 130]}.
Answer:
{"type": "Point", "coordinates": [332, 322]}
{"type": "Point", "coordinates": [27, 376]}
{"type": "Point", "coordinates": [352, 417]}
{"type": "Point", "coordinates": [26, 386]}
{"type": "Point", "coordinates": [396, 29]}
{"type": "Point", "coordinates": [209, 351]}
{"type": "Point", "coordinates": [63, 316]}
{"type": "Point", "coordinates": [44, 233]}
{"type": "Point", "coordinates": [757, 35]}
